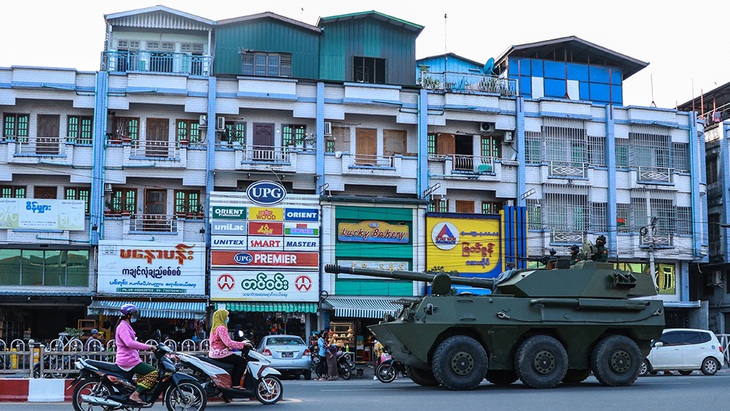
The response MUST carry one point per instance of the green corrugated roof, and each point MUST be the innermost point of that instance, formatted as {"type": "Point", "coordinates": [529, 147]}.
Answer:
{"type": "Point", "coordinates": [269, 307]}
{"type": "Point", "coordinates": [376, 14]}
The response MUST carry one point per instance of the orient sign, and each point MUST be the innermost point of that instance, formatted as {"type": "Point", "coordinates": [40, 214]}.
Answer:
{"type": "Point", "coordinates": [266, 192]}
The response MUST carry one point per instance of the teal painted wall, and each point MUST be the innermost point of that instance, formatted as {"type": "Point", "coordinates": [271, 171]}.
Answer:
{"type": "Point", "coordinates": [374, 251]}
{"type": "Point", "coordinates": [368, 37]}
{"type": "Point", "coordinates": [266, 35]}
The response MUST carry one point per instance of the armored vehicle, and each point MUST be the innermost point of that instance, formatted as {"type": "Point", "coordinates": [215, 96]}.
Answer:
{"type": "Point", "coordinates": [540, 326]}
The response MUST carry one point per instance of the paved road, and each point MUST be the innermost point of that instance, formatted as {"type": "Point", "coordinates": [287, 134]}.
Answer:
{"type": "Point", "coordinates": [660, 392]}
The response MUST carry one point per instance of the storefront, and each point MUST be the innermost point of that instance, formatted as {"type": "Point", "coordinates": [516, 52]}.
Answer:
{"type": "Point", "coordinates": [165, 281]}
{"type": "Point", "coordinates": [379, 236]}
{"type": "Point", "coordinates": [265, 258]}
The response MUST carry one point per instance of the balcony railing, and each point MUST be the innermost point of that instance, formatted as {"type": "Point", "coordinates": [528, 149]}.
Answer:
{"type": "Point", "coordinates": [153, 222]}
{"type": "Point", "coordinates": [468, 83]}
{"type": "Point", "coordinates": [266, 154]}
{"type": "Point", "coordinates": [39, 145]}
{"type": "Point", "coordinates": [154, 149]}
{"type": "Point", "coordinates": [472, 164]}
{"type": "Point", "coordinates": [372, 160]}
{"type": "Point", "coordinates": [568, 169]}
{"type": "Point", "coordinates": [155, 62]}
{"type": "Point", "coordinates": [654, 175]}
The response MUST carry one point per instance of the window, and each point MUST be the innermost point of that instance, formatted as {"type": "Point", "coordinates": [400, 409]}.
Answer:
{"type": "Point", "coordinates": [622, 153]}
{"type": "Point", "coordinates": [80, 129]}
{"type": "Point", "coordinates": [534, 214]}
{"type": "Point", "coordinates": [439, 205]}
{"type": "Point", "coordinates": [684, 220]}
{"type": "Point", "coordinates": [124, 199]}
{"type": "Point", "coordinates": [15, 126]}
{"type": "Point", "coordinates": [126, 127]}
{"type": "Point", "coordinates": [368, 70]}
{"type": "Point", "coordinates": [266, 64]}
{"type": "Point", "coordinates": [187, 202]}
{"type": "Point", "coordinates": [12, 192]}
{"type": "Point", "coordinates": [75, 193]}
{"type": "Point", "coordinates": [491, 147]}
{"type": "Point", "coordinates": [394, 142]}
{"type": "Point", "coordinates": [711, 169]}
{"type": "Point", "coordinates": [188, 130]}
{"type": "Point", "coordinates": [623, 219]}
{"type": "Point", "coordinates": [680, 157]}
{"type": "Point", "coordinates": [598, 218]}
{"type": "Point", "coordinates": [431, 144]}
{"type": "Point", "coordinates": [235, 131]}
{"type": "Point", "coordinates": [293, 134]}
{"type": "Point", "coordinates": [596, 151]}
{"type": "Point", "coordinates": [491, 207]}
{"type": "Point", "coordinates": [60, 268]}
{"type": "Point", "coordinates": [533, 147]}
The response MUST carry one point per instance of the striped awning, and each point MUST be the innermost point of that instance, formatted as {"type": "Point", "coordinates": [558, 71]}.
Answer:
{"type": "Point", "coordinates": [183, 310]}
{"type": "Point", "coordinates": [268, 307]}
{"type": "Point", "coordinates": [363, 307]}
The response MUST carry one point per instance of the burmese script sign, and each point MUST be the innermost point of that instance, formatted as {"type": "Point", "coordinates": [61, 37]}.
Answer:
{"type": "Point", "coordinates": [151, 267]}
{"type": "Point", "coordinates": [40, 214]}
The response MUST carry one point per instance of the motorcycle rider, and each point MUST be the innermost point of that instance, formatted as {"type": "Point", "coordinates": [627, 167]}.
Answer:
{"type": "Point", "coordinates": [221, 345]}
{"type": "Point", "coordinates": [128, 357]}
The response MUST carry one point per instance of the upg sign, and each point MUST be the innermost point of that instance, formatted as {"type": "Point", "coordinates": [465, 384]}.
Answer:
{"type": "Point", "coordinates": [266, 192]}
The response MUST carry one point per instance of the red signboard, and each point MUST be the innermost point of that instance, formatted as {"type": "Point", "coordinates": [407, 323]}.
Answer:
{"type": "Point", "coordinates": [245, 259]}
{"type": "Point", "coordinates": [265, 228]}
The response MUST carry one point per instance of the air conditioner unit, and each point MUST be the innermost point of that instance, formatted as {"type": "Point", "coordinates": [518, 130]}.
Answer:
{"type": "Point", "coordinates": [327, 128]}
{"type": "Point", "coordinates": [107, 187]}
{"type": "Point", "coordinates": [486, 127]}
{"type": "Point", "coordinates": [508, 137]}
{"type": "Point", "coordinates": [717, 279]}
{"type": "Point", "coordinates": [220, 123]}
{"type": "Point", "coordinates": [203, 121]}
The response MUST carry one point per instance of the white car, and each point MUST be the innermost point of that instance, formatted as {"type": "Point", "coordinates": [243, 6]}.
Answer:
{"type": "Point", "coordinates": [684, 350]}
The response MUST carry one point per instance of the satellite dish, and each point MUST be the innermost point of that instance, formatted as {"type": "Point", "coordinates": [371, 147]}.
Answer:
{"type": "Point", "coordinates": [489, 67]}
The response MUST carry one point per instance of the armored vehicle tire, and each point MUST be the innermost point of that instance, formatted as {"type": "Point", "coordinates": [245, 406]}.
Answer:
{"type": "Point", "coordinates": [576, 376]}
{"type": "Point", "coordinates": [459, 363]}
{"type": "Point", "coordinates": [710, 366]}
{"type": "Point", "coordinates": [541, 362]}
{"type": "Point", "coordinates": [616, 361]}
{"type": "Point", "coordinates": [501, 377]}
{"type": "Point", "coordinates": [422, 377]}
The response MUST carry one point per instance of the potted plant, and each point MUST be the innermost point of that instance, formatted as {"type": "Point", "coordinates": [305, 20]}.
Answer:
{"type": "Point", "coordinates": [201, 210]}
{"type": "Point", "coordinates": [113, 138]}
{"type": "Point", "coordinates": [183, 143]}
{"type": "Point", "coordinates": [108, 207]}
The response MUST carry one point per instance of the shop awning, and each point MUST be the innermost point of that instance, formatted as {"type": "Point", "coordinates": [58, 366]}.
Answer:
{"type": "Point", "coordinates": [363, 307]}
{"type": "Point", "coordinates": [269, 307]}
{"type": "Point", "coordinates": [183, 310]}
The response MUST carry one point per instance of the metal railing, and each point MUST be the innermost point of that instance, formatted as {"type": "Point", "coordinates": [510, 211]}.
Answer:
{"type": "Point", "coordinates": [154, 149]}
{"type": "Point", "coordinates": [472, 164]}
{"type": "Point", "coordinates": [153, 222]}
{"type": "Point", "coordinates": [372, 160]}
{"type": "Point", "coordinates": [57, 358]}
{"type": "Point", "coordinates": [266, 154]}
{"type": "Point", "coordinates": [155, 62]}
{"type": "Point", "coordinates": [467, 83]}
{"type": "Point", "coordinates": [654, 174]}
{"type": "Point", "coordinates": [568, 169]}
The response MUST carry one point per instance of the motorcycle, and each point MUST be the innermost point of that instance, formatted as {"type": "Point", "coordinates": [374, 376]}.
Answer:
{"type": "Point", "coordinates": [345, 366]}
{"type": "Point", "coordinates": [388, 369]}
{"type": "Point", "coordinates": [260, 380]}
{"type": "Point", "coordinates": [103, 384]}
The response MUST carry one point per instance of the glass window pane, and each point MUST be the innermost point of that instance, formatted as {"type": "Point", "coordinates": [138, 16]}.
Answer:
{"type": "Point", "coordinates": [9, 267]}
{"type": "Point", "coordinates": [77, 268]}
{"type": "Point", "coordinates": [32, 268]}
{"type": "Point", "coordinates": [55, 268]}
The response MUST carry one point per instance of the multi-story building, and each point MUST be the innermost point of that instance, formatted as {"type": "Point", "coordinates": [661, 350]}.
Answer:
{"type": "Point", "coordinates": [162, 147]}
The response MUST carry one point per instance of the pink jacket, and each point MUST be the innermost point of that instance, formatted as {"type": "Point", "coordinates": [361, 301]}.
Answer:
{"type": "Point", "coordinates": [127, 346]}
{"type": "Point", "coordinates": [221, 344]}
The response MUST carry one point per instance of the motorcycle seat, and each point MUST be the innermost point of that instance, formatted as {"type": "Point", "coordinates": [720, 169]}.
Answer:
{"type": "Point", "coordinates": [224, 365]}
{"type": "Point", "coordinates": [110, 366]}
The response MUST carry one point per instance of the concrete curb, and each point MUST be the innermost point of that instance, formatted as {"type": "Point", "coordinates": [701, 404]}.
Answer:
{"type": "Point", "coordinates": [34, 390]}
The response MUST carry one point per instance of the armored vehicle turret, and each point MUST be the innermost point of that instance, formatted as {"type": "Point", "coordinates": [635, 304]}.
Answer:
{"type": "Point", "coordinates": [540, 326]}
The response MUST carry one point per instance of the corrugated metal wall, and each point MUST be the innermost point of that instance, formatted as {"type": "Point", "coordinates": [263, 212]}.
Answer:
{"type": "Point", "coordinates": [368, 37]}
{"type": "Point", "coordinates": [266, 35]}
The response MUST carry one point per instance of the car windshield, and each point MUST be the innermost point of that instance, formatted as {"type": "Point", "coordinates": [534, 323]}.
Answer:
{"type": "Point", "coordinates": [284, 341]}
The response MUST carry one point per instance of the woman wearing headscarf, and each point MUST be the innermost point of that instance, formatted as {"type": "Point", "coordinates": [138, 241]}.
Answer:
{"type": "Point", "coordinates": [221, 346]}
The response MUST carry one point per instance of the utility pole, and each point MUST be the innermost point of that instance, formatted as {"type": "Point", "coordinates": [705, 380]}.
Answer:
{"type": "Point", "coordinates": [649, 233]}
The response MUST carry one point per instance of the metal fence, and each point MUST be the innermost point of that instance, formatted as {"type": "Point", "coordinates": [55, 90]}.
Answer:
{"type": "Point", "coordinates": [57, 358]}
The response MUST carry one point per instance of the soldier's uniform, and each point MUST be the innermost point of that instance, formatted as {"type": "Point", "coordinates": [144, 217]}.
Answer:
{"type": "Point", "coordinates": [601, 254]}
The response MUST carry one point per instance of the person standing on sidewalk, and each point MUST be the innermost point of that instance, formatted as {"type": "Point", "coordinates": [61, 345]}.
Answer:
{"type": "Point", "coordinates": [322, 353]}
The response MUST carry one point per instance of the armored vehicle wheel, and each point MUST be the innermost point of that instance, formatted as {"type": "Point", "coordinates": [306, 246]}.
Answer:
{"type": "Point", "coordinates": [616, 361]}
{"type": "Point", "coordinates": [501, 377]}
{"type": "Point", "coordinates": [576, 376]}
{"type": "Point", "coordinates": [460, 363]}
{"type": "Point", "coordinates": [541, 362]}
{"type": "Point", "coordinates": [422, 377]}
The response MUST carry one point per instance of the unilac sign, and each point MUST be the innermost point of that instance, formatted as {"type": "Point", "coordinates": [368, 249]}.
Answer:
{"type": "Point", "coordinates": [256, 259]}
{"type": "Point", "coordinates": [258, 228]}
{"type": "Point", "coordinates": [266, 214]}
{"type": "Point", "coordinates": [373, 232]}
{"type": "Point", "coordinates": [228, 227]}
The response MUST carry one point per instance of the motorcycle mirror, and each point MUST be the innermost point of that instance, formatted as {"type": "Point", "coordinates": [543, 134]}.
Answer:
{"type": "Point", "coordinates": [157, 335]}
{"type": "Point", "coordinates": [240, 333]}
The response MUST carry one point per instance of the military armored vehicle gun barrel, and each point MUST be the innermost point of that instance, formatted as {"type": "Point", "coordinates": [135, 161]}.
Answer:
{"type": "Point", "coordinates": [543, 327]}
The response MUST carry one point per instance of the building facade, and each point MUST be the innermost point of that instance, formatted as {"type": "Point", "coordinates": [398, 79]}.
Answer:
{"type": "Point", "coordinates": [161, 146]}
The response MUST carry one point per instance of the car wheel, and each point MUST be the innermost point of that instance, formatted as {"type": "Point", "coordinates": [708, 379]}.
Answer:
{"type": "Point", "coordinates": [616, 361]}
{"type": "Point", "coordinates": [541, 362]}
{"type": "Point", "coordinates": [308, 375]}
{"type": "Point", "coordinates": [685, 372]}
{"type": "Point", "coordinates": [645, 368]}
{"type": "Point", "coordinates": [710, 366]}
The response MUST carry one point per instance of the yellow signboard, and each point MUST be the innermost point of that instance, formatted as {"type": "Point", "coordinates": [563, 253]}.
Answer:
{"type": "Point", "coordinates": [266, 214]}
{"type": "Point", "coordinates": [373, 232]}
{"type": "Point", "coordinates": [466, 245]}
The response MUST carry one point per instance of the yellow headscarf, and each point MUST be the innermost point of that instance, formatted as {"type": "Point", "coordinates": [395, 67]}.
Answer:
{"type": "Point", "coordinates": [219, 318]}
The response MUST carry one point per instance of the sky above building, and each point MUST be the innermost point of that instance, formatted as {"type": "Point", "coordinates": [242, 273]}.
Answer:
{"type": "Point", "coordinates": [667, 34]}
